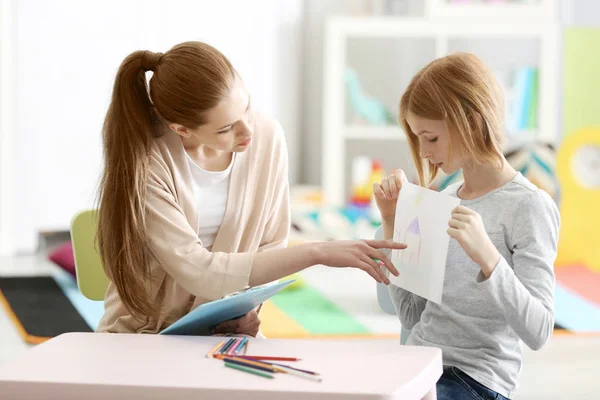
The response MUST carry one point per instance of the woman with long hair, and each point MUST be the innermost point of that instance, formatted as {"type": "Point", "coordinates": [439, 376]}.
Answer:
{"type": "Point", "coordinates": [194, 199]}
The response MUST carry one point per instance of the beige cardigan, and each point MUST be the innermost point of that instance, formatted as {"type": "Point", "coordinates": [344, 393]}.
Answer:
{"type": "Point", "coordinates": [257, 218]}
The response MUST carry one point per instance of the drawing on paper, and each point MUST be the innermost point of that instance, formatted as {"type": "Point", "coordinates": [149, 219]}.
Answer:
{"type": "Point", "coordinates": [421, 222]}
{"type": "Point", "coordinates": [412, 237]}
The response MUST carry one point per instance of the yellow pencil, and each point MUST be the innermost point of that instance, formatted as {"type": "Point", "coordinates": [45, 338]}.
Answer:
{"type": "Point", "coordinates": [217, 347]}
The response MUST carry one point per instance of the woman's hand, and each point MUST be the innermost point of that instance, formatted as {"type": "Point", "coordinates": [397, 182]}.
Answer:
{"type": "Point", "coordinates": [248, 324]}
{"type": "Point", "coordinates": [386, 194]}
{"type": "Point", "coordinates": [467, 228]}
{"type": "Point", "coordinates": [361, 254]}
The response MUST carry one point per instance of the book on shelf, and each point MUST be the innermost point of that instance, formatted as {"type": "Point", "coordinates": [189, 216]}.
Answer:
{"type": "Point", "coordinates": [522, 112]}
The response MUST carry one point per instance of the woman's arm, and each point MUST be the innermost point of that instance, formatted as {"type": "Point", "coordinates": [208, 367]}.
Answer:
{"type": "Point", "coordinates": [176, 246]}
{"type": "Point", "coordinates": [275, 264]}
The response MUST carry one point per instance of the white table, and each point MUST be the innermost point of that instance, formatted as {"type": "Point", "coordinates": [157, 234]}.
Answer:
{"type": "Point", "coordinates": [127, 366]}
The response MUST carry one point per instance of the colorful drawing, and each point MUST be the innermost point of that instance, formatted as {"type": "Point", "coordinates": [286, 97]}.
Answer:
{"type": "Point", "coordinates": [421, 222]}
{"type": "Point", "coordinates": [412, 237]}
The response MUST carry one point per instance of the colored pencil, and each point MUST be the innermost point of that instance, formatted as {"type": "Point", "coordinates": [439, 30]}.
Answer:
{"type": "Point", "coordinates": [217, 347]}
{"type": "Point", "coordinates": [242, 344]}
{"type": "Point", "coordinates": [227, 345]}
{"type": "Point", "coordinates": [234, 346]}
{"type": "Point", "coordinates": [267, 367]}
{"type": "Point", "coordinates": [294, 368]}
{"type": "Point", "coordinates": [299, 374]}
{"type": "Point", "coordinates": [247, 365]}
{"type": "Point", "coordinates": [250, 362]}
{"type": "Point", "coordinates": [276, 365]}
{"type": "Point", "coordinates": [278, 368]}
{"type": "Point", "coordinates": [249, 370]}
{"type": "Point", "coordinates": [270, 358]}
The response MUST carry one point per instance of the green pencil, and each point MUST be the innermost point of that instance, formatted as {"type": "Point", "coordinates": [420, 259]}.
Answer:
{"type": "Point", "coordinates": [249, 370]}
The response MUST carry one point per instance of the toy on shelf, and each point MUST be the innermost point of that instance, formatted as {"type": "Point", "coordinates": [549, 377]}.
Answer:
{"type": "Point", "coordinates": [365, 172]}
{"type": "Point", "coordinates": [366, 107]}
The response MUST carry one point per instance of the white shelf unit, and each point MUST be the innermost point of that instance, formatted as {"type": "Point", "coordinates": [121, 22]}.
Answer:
{"type": "Point", "coordinates": [523, 9]}
{"type": "Point", "coordinates": [339, 30]}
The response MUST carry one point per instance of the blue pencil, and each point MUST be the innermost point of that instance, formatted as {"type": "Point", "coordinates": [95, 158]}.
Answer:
{"type": "Point", "coordinates": [227, 345]}
{"type": "Point", "coordinates": [242, 343]}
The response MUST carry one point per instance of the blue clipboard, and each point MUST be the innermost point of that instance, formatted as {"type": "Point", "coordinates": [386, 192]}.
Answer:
{"type": "Point", "coordinates": [201, 319]}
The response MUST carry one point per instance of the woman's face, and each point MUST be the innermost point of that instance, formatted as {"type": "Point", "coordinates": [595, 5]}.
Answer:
{"type": "Point", "coordinates": [229, 126]}
{"type": "Point", "coordinates": [434, 143]}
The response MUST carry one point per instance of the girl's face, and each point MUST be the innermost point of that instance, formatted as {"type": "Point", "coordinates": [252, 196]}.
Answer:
{"type": "Point", "coordinates": [229, 126]}
{"type": "Point", "coordinates": [434, 143]}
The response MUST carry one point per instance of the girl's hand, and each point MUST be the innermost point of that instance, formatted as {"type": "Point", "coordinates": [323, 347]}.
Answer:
{"type": "Point", "coordinates": [467, 228]}
{"type": "Point", "coordinates": [386, 194]}
{"type": "Point", "coordinates": [361, 254]}
{"type": "Point", "coordinates": [248, 324]}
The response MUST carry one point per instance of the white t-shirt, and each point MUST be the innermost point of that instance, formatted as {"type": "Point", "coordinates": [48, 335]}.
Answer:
{"type": "Point", "coordinates": [211, 189]}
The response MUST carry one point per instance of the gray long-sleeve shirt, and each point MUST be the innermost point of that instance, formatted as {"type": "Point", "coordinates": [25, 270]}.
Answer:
{"type": "Point", "coordinates": [481, 324]}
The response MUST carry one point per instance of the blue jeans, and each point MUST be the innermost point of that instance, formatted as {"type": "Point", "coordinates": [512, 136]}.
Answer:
{"type": "Point", "coordinates": [456, 385]}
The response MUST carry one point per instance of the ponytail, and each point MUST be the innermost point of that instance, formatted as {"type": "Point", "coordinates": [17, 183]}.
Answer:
{"type": "Point", "coordinates": [128, 131]}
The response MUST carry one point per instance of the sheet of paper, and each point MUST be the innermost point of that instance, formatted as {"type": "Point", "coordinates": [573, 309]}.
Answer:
{"type": "Point", "coordinates": [422, 217]}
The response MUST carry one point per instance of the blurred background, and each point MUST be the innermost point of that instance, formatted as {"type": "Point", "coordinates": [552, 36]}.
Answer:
{"type": "Point", "coordinates": [332, 72]}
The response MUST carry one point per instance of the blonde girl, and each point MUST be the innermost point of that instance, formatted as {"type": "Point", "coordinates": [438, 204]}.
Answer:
{"type": "Point", "coordinates": [499, 282]}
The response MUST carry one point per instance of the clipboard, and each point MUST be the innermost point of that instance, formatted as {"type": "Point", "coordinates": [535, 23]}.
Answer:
{"type": "Point", "coordinates": [201, 319]}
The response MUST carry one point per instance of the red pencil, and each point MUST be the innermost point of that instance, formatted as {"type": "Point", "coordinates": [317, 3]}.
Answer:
{"type": "Point", "coordinates": [270, 358]}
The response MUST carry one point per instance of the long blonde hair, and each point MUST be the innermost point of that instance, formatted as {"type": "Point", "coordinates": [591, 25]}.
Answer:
{"type": "Point", "coordinates": [188, 80]}
{"type": "Point", "coordinates": [460, 90]}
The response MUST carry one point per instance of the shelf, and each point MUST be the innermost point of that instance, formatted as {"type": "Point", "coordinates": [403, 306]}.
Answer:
{"type": "Point", "coordinates": [493, 11]}
{"type": "Point", "coordinates": [411, 27]}
{"type": "Point", "coordinates": [368, 132]}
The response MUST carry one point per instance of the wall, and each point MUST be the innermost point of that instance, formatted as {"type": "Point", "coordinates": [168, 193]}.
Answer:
{"type": "Point", "coordinates": [66, 54]}
{"type": "Point", "coordinates": [316, 11]}
{"type": "Point", "coordinates": [581, 65]}
{"type": "Point", "coordinates": [7, 100]}
{"type": "Point", "coordinates": [581, 13]}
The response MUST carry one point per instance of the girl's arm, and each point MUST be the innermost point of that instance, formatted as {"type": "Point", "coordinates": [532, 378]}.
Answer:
{"type": "Point", "coordinates": [525, 293]}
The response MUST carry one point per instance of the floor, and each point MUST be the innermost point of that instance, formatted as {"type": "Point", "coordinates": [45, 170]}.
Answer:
{"type": "Point", "coordinates": [567, 368]}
